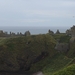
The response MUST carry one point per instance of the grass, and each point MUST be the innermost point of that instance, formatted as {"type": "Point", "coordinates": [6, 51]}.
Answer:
{"type": "Point", "coordinates": [2, 40]}
{"type": "Point", "coordinates": [24, 50]}
{"type": "Point", "coordinates": [70, 70]}
{"type": "Point", "coordinates": [57, 62]}
{"type": "Point", "coordinates": [63, 38]}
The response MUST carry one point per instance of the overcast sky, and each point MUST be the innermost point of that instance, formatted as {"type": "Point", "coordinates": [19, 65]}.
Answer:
{"type": "Point", "coordinates": [37, 13]}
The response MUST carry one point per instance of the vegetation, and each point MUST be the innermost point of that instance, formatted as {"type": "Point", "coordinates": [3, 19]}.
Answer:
{"type": "Point", "coordinates": [62, 38]}
{"type": "Point", "coordinates": [59, 61]}
{"type": "Point", "coordinates": [20, 53]}
{"type": "Point", "coordinates": [71, 52]}
{"type": "Point", "coordinates": [70, 70]}
{"type": "Point", "coordinates": [37, 53]}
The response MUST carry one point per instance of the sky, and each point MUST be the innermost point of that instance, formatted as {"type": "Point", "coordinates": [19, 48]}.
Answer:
{"type": "Point", "coordinates": [37, 13]}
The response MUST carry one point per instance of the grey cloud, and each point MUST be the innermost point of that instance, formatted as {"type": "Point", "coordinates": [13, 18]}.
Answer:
{"type": "Point", "coordinates": [33, 10]}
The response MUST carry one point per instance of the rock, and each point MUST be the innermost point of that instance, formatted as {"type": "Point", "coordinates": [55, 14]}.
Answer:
{"type": "Point", "coordinates": [71, 31]}
{"type": "Point", "coordinates": [50, 32]}
{"type": "Point", "coordinates": [38, 73]}
{"type": "Point", "coordinates": [62, 47]}
{"type": "Point", "coordinates": [57, 32]}
{"type": "Point", "coordinates": [72, 40]}
{"type": "Point", "coordinates": [27, 33]}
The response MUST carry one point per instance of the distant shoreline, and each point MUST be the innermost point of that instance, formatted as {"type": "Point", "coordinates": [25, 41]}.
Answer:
{"type": "Point", "coordinates": [33, 30]}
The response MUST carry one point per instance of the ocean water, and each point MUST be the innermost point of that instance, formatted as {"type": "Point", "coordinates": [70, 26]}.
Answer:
{"type": "Point", "coordinates": [33, 30]}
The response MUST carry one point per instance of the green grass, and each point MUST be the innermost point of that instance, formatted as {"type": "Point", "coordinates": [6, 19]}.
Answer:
{"type": "Point", "coordinates": [2, 40]}
{"type": "Point", "coordinates": [70, 70]}
{"type": "Point", "coordinates": [57, 36]}
{"type": "Point", "coordinates": [57, 62]}
{"type": "Point", "coordinates": [63, 38]}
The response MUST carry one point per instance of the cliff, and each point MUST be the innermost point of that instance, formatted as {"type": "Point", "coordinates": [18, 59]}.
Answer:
{"type": "Point", "coordinates": [20, 53]}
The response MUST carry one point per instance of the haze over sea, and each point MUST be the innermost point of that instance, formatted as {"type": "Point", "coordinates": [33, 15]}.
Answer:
{"type": "Point", "coordinates": [33, 30]}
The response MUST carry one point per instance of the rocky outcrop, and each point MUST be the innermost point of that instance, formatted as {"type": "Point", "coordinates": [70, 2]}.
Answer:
{"type": "Point", "coordinates": [62, 47]}
{"type": "Point", "coordinates": [57, 32]}
{"type": "Point", "coordinates": [71, 31]}
{"type": "Point", "coordinates": [72, 40]}
{"type": "Point", "coordinates": [27, 33]}
{"type": "Point", "coordinates": [38, 73]}
{"type": "Point", "coordinates": [50, 32]}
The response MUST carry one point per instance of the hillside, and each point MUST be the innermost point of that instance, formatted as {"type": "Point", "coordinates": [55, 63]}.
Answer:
{"type": "Point", "coordinates": [20, 53]}
{"type": "Point", "coordinates": [35, 53]}
{"type": "Point", "coordinates": [62, 60]}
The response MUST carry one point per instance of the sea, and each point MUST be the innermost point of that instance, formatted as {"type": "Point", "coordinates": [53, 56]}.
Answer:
{"type": "Point", "coordinates": [33, 30]}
